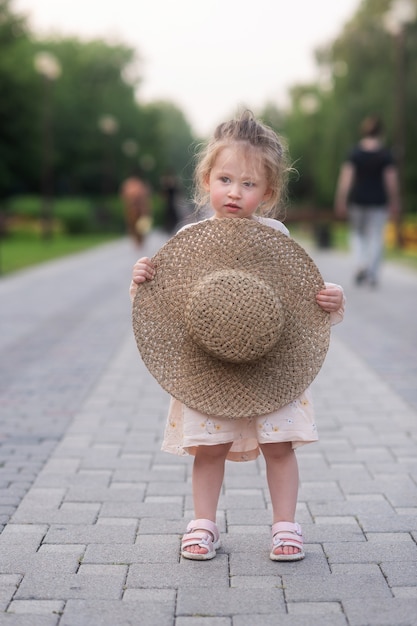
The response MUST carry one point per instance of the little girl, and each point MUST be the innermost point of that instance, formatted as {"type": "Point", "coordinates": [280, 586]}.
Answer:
{"type": "Point", "coordinates": [241, 174]}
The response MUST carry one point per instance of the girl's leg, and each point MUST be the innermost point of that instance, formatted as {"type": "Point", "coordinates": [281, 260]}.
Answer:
{"type": "Point", "coordinates": [282, 476]}
{"type": "Point", "coordinates": [208, 474]}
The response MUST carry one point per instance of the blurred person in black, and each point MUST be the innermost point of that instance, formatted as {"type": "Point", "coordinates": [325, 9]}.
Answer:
{"type": "Point", "coordinates": [368, 193]}
{"type": "Point", "coordinates": [170, 191]}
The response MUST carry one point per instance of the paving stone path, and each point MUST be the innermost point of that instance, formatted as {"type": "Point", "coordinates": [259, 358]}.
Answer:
{"type": "Point", "coordinates": [92, 512]}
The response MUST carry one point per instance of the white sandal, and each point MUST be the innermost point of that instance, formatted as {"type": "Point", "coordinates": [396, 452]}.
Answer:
{"type": "Point", "coordinates": [287, 534]}
{"type": "Point", "coordinates": [196, 536]}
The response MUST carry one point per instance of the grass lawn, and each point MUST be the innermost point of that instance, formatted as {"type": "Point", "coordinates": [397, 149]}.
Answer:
{"type": "Point", "coordinates": [18, 252]}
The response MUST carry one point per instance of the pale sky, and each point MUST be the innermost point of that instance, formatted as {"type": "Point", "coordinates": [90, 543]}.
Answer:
{"type": "Point", "coordinates": [209, 57]}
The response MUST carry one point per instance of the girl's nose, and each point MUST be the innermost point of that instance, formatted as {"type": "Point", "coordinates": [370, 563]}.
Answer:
{"type": "Point", "coordinates": [234, 191]}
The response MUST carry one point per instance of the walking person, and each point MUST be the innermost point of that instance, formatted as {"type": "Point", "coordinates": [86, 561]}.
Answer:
{"type": "Point", "coordinates": [232, 317]}
{"type": "Point", "coordinates": [170, 193]}
{"type": "Point", "coordinates": [368, 193]}
{"type": "Point", "coordinates": [136, 197]}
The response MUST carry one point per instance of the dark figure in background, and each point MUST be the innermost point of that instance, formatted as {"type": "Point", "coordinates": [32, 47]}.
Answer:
{"type": "Point", "coordinates": [136, 197]}
{"type": "Point", "coordinates": [170, 189]}
{"type": "Point", "coordinates": [367, 191]}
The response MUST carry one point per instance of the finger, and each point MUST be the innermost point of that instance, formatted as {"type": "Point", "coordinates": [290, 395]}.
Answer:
{"type": "Point", "coordinates": [140, 274]}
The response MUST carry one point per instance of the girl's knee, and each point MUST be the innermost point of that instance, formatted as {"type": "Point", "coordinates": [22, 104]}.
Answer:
{"type": "Point", "coordinates": [217, 451]}
{"type": "Point", "coordinates": [277, 450]}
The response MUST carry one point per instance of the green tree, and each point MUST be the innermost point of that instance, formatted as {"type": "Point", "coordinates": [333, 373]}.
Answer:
{"type": "Point", "coordinates": [90, 91]}
{"type": "Point", "coordinates": [18, 134]}
{"type": "Point", "coordinates": [170, 140]}
{"type": "Point", "coordinates": [359, 75]}
{"type": "Point", "coordinates": [101, 131]}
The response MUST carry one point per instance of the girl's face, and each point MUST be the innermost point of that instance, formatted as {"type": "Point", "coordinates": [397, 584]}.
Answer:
{"type": "Point", "coordinates": [237, 183]}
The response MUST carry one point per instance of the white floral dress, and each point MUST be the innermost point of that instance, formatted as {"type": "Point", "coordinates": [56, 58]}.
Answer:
{"type": "Point", "coordinates": [187, 428]}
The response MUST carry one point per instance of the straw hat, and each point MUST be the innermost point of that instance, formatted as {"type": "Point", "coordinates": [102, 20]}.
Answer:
{"type": "Point", "coordinates": [229, 325]}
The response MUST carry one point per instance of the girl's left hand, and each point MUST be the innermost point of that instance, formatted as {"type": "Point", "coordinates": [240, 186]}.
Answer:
{"type": "Point", "coordinates": [330, 299]}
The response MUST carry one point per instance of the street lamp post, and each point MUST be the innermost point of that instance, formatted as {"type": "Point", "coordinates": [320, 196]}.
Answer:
{"type": "Point", "coordinates": [49, 68]}
{"type": "Point", "coordinates": [401, 13]}
{"type": "Point", "coordinates": [109, 126]}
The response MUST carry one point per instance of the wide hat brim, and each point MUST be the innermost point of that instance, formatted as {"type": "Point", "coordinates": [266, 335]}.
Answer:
{"type": "Point", "coordinates": [201, 381]}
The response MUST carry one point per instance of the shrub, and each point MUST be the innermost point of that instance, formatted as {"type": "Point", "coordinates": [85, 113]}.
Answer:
{"type": "Point", "coordinates": [75, 215]}
{"type": "Point", "coordinates": [28, 207]}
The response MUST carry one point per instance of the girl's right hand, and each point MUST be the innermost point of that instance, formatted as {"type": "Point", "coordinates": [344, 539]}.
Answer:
{"type": "Point", "coordinates": [143, 270]}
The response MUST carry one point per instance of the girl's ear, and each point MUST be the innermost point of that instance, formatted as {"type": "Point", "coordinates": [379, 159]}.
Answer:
{"type": "Point", "coordinates": [206, 182]}
{"type": "Point", "coordinates": [267, 194]}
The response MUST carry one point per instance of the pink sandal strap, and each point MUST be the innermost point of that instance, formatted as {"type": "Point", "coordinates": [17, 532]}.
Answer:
{"type": "Point", "coordinates": [204, 524]}
{"type": "Point", "coordinates": [203, 533]}
{"type": "Point", "coordinates": [287, 534]}
{"type": "Point", "coordinates": [287, 531]}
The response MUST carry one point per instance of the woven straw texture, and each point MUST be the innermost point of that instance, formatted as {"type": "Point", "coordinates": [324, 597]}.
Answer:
{"type": "Point", "coordinates": [229, 325]}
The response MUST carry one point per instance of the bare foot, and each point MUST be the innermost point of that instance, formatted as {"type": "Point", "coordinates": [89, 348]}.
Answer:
{"type": "Point", "coordinates": [287, 543]}
{"type": "Point", "coordinates": [286, 550]}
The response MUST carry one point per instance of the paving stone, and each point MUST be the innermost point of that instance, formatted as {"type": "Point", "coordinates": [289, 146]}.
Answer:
{"type": "Point", "coordinates": [388, 523]}
{"type": "Point", "coordinates": [320, 490]}
{"type": "Point", "coordinates": [115, 493]}
{"type": "Point", "coordinates": [95, 533]}
{"type": "Point", "coordinates": [148, 608]}
{"type": "Point", "coordinates": [220, 602]}
{"type": "Point", "coordinates": [141, 510]}
{"type": "Point", "coordinates": [390, 538]}
{"type": "Point", "coordinates": [326, 533]}
{"type": "Point", "coordinates": [203, 621]}
{"type": "Point", "coordinates": [255, 582]}
{"type": "Point", "coordinates": [27, 514]}
{"type": "Point", "coordinates": [258, 563]}
{"type": "Point", "coordinates": [12, 619]}
{"type": "Point", "coordinates": [23, 535]}
{"type": "Point", "coordinates": [180, 575]}
{"type": "Point", "coordinates": [36, 607]}
{"type": "Point", "coordinates": [24, 563]}
{"type": "Point", "coordinates": [373, 504]}
{"type": "Point", "coordinates": [144, 476]}
{"type": "Point", "coordinates": [403, 573]}
{"type": "Point", "coordinates": [87, 478]}
{"type": "Point", "coordinates": [314, 608]}
{"type": "Point", "coordinates": [371, 552]}
{"type": "Point", "coordinates": [345, 582]}
{"type": "Point", "coordinates": [288, 620]}
{"type": "Point", "coordinates": [381, 612]}
{"type": "Point", "coordinates": [52, 586]}
{"type": "Point", "coordinates": [8, 586]}
{"type": "Point", "coordinates": [147, 549]}
{"type": "Point", "coordinates": [404, 592]}
{"type": "Point", "coordinates": [161, 526]}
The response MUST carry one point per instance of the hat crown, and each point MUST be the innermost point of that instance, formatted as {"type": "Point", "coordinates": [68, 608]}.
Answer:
{"type": "Point", "coordinates": [234, 316]}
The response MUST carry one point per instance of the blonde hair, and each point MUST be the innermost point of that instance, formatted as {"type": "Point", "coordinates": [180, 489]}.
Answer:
{"type": "Point", "coordinates": [260, 140]}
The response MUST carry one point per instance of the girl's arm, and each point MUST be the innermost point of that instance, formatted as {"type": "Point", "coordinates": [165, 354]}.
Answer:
{"type": "Point", "coordinates": [332, 299]}
{"type": "Point", "coordinates": [143, 270]}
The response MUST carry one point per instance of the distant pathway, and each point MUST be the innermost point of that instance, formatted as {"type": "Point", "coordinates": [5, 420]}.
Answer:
{"type": "Point", "coordinates": [380, 324]}
{"type": "Point", "coordinates": [61, 323]}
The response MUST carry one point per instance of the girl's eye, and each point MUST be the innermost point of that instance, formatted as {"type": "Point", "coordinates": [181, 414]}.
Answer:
{"type": "Point", "coordinates": [248, 183]}
{"type": "Point", "coordinates": [225, 179]}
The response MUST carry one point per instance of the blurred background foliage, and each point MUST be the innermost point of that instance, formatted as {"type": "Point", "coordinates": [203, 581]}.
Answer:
{"type": "Point", "coordinates": [72, 125]}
